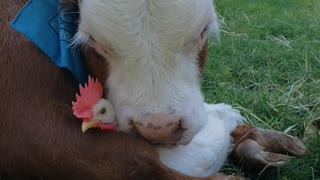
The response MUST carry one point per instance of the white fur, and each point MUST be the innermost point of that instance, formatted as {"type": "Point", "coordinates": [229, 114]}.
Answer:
{"type": "Point", "coordinates": [152, 47]}
{"type": "Point", "coordinates": [208, 150]}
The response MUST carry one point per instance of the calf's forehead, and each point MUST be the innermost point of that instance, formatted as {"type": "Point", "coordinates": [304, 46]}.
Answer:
{"type": "Point", "coordinates": [126, 24]}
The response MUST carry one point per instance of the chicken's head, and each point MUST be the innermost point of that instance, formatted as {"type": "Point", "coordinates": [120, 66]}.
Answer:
{"type": "Point", "coordinates": [93, 109]}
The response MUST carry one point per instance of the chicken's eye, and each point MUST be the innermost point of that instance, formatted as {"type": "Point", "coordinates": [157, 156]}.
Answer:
{"type": "Point", "coordinates": [103, 110]}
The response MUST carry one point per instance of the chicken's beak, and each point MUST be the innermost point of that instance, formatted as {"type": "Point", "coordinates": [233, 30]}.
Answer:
{"type": "Point", "coordinates": [90, 124]}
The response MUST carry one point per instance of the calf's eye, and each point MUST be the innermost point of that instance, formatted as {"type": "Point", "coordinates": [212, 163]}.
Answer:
{"type": "Point", "coordinates": [204, 31]}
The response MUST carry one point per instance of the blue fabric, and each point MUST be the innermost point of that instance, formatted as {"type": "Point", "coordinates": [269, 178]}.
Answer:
{"type": "Point", "coordinates": [51, 26]}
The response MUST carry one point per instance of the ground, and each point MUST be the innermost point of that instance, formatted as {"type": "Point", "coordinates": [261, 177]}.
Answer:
{"type": "Point", "coordinates": [266, 63]}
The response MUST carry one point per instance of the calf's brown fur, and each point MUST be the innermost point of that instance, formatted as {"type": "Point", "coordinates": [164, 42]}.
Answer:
{"type": "Point", "coordinates": [39, 137]}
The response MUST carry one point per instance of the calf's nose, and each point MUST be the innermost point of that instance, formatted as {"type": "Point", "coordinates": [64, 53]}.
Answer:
{"type": "Point", "coordinates": [159, 128]}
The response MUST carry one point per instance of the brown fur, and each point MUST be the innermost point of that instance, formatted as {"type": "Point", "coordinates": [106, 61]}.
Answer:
{"type": "Point", "coordinates": [203, 57]}
{"type": "Point", "coordinates": [39, 135]}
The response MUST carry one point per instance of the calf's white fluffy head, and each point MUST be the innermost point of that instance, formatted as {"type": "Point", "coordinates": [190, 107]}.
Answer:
{"type": "Point", "coordinates": [152, 48]}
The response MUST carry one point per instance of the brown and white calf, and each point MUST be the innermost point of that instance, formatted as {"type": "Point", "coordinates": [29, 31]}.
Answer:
{"type": "Point", "coordinates": [153, 51]}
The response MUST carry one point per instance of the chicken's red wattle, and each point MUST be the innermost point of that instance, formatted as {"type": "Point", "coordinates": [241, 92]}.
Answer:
{"type": "Point", "coordinates": [107, 126]}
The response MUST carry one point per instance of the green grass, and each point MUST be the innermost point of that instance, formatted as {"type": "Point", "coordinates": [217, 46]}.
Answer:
{"type": "Point", "coordinates": [267, 64]}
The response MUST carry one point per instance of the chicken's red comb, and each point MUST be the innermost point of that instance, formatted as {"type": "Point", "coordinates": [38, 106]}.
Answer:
{"type": "Point", "coordinates": [89, 96]}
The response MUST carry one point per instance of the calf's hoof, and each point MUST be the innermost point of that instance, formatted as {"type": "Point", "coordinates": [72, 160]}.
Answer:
{"type": "Point", "coordinates": [258, 147]}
